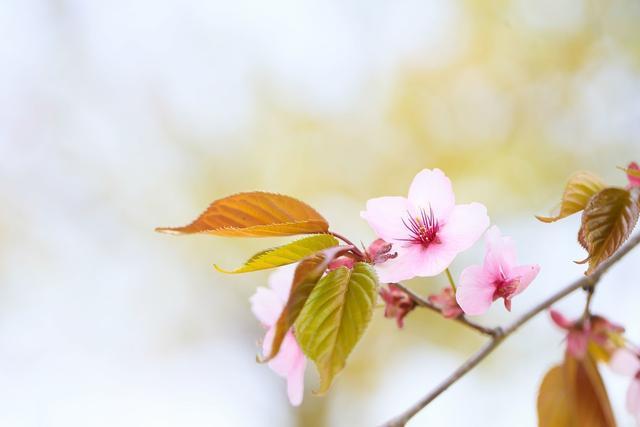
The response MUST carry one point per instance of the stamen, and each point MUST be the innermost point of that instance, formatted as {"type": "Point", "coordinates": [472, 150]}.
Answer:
{"type": "Point", "coordinates": [423, 229]}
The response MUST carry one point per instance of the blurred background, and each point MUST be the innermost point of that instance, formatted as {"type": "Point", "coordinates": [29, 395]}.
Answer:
{"type": "Point", "coordinates": [120, 116]}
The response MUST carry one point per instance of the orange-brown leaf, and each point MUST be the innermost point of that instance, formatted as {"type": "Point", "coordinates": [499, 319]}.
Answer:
{"type": "Point", "coordinates": [573, 395]}
{"type": "Point", "coordinates": [554, 407]}
{"type": "Point", "coordinates": [589, 398]}
{"type": "Point", "coordinates": [579, 189]}
{"type": "Point", "coordinates": [255, 214]}
{"type": "Point", "coordinates": [607, 222]}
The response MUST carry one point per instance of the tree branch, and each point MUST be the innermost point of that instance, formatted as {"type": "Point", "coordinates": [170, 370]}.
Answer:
{"type": "Point", "coordinates": [501, 334]}
{"type": "Point", "coordinates": [422, 302]}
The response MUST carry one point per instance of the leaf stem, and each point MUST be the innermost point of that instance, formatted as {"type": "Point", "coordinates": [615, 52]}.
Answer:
{"type": "Point", "coordinates": [502, 334]}
{"type": "Point", "coordinates": [451, 281]}
{"type": "Point", "coordinates": [354, 248]}
{"type": "Point", "coordinates": [590, 289]}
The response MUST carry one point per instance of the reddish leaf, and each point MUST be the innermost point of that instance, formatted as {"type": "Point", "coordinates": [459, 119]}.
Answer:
{"type": "Point", "coordinates": [579, 189]}
{"type": "Point", "coordinates": [255, 214]}
{"type": "Point", "coordinates": [607, 222]}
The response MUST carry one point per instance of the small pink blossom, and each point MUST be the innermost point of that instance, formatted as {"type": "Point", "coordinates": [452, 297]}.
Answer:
{"type": "Point", "coordinates": [634, 181]}
{"type": "Point", "coordinates": [595, 329]}
{"type": "Point", "coordinates": [397, 303]}
{"type": "Point", "coordinates": [427, 229]}
{"type": "Point", "coordinates": [446, 302]}
{"type": "Point", "coordinates": [627, 363]}
{"type": "Point", "coordinates": [499, 277]}
{"type": "Point", "coordinates": [267, 304]}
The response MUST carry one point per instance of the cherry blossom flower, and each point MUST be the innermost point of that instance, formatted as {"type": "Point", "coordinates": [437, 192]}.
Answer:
{"type": "Point", "coordinates": [397, 303]}
{"type": "Point", "coordinates": [499, 277]}
{"type": "Point", "coordinates": [427, 229]}
{"type": "Point", "coordinates": [267, 304]}
{"type": "Point", "coordinates": [446, 302]}
{"type": "Point", "coordinates": [627, 363]}
{"type": "Point", "coordinates": [594, 330]}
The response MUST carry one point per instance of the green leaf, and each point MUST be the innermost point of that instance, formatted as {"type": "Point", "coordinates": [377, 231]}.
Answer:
{"type": "Point", "coordinates": [255, 214]}
{"type": "Point", "coordinates": [307, 274]}
{"type": "Point", "coordinates": [335, 317]}
{"type": "Point", "coordinates": [607, 222]}
{"type": "Point", "coordinates": [579, 189]}
{"type": "Point", "coordinates": [286, 254]}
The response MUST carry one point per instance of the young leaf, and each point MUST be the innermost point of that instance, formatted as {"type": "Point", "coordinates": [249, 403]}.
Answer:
{"type": "Point", "coordinates": [607, 222]}
{"type": "Point", "coordinates": [255, 214]}
{"type": "Point", "coordinates": [573, 395]}
{"type": "Point", "coordinates": [554, 406]}
{"type": "Point", "coordinates": [589, 398]}
{"type": "Point", "coordinates": [307, 274]}
{"type": "Point", "coordinates": [286, 254]}
{"type": "Point", "coordinates": [335, 317]}
{"type": "Point", "coordinates": [579, 189]}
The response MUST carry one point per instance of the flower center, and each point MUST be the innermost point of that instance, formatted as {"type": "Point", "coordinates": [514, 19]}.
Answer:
{"type": "Point", "coordinates": [423, 228]}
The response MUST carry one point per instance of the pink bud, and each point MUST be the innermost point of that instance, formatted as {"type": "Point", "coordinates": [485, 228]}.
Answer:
{"type": "Point", "coordinates": [634, 181]}
{"type": "Point", "coordinates": [397, 303]}
{"type": "Point", "coordinates": [446, 302]}
{"type": "Point", "coordinates": [379, 251]}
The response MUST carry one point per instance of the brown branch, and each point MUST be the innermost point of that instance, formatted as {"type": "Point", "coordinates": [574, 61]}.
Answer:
{"type": "Point", "coordinates": [422, 302]}
{"type": "Point", "coordinates": [584, 282]}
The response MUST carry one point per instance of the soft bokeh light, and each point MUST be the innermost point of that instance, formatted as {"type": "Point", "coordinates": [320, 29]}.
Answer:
{"type": "Point", "coordinates": [120, 116]}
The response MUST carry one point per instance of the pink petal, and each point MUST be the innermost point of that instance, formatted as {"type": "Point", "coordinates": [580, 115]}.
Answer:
{"type": "Point", "coordinates": [577, 342]}
{"type": "Point", "coordinates": [526, 273]}
{"type": "Point", "coordinates": [401, 267]}
{"type": "Point", "coordinates": [432, 189]}
{"type": "Point", "coordinates": [464, 226]}
{"type": "Point", "coordinates": [295, 380]}
{"type": "Point", "coordinates": [286, 357]}
{"type": "Point", "coordinates": [625, 362]}
{"type": "Point", "coordinates": [475, 290]}
{"type": "Point", "coordinates": [560, 320]}
{"type": "Point", "coordinates": [280, 281]}
{"type": "Point", "coordinates": [500, 253]}
{"type": "Point", "coordinates": [633, 398]}
{"type": "Point", "coordinates": [385, 214]}
{"type": "Point", "coordinates": [435, 259]}
{"type": "Point", "coordinates": [266, 305]}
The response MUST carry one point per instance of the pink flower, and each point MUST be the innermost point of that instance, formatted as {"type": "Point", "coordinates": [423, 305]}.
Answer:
{"type": "Point", "coordinates": [627, 363]}
{"type": "Point", "coordinates": [595, 329]}
{"type": "Point", "coordinates": [499, 277]}
{"type": "Point", "coordinates": [397, 303]}
{"type": "Point", "coordinates": [634, 181]}
{"type": "Point", "coordinates": [446, 302]}
{"type": "Point", "coordinates": [267, 304]}
{"type": "Point", "coordinates": [427, 229]}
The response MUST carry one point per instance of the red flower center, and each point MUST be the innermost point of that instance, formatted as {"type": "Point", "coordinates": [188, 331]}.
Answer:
{"type": "Point", "coordinates": [423, 229]}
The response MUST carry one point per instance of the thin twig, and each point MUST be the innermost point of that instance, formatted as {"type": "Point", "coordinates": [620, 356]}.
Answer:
{"type": "Point", "coordinates": [422, 302]}
{"type": "Point", "coordinates": [496, 340]}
